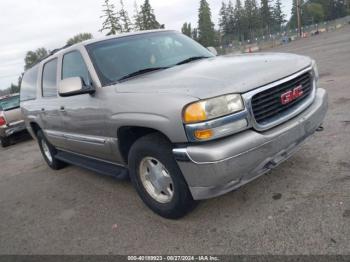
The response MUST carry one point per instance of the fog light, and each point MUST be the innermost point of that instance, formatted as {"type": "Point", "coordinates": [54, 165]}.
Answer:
{"type": "Point", "coordinates": [203, 134]}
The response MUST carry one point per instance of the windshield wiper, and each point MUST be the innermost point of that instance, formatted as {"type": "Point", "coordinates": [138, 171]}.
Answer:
{"type": "Point", "coordinates": [193, 58]}
{"type": "Point", "coordinates": [140, 72]}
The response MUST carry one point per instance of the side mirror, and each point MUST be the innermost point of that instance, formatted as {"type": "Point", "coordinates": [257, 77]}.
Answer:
{"type": "Point", "coordinates": [73, 86]}
{"type": "Point", "coordinates": [212, 50]}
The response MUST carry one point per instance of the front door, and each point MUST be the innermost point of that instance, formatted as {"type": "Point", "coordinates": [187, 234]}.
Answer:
{"type": "Point", "coordinates": [83, 115]}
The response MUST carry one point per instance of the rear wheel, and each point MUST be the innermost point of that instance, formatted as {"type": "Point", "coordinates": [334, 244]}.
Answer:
{"type": "Point", "coordinates": [49, 151]}
{"type": "Point", "coordinates": [157, 177]}
{"type": "Point", "coordinates": [5, 142]}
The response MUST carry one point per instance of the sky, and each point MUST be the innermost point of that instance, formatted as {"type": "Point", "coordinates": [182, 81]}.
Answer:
{"type": "Point", "coordinates": [29, 24]}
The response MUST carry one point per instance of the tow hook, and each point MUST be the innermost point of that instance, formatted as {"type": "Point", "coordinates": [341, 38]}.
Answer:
{"type": "Point", "coordinates": [320, 129]}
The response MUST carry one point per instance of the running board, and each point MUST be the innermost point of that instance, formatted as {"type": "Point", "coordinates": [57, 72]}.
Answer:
{"type": "Point", "coordinates": [95, 165]}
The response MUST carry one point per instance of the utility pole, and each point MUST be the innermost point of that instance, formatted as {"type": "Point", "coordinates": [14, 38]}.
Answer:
{"type": "Point", "coordinates": [299, 17]}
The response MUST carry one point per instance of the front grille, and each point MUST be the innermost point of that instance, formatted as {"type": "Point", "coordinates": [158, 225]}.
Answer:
{"type": "Point", "coordinates": [267, 105]}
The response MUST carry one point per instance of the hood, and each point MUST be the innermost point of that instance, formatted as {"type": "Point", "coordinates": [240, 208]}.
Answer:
{"type": "Point", "coordinates": [218, 75]}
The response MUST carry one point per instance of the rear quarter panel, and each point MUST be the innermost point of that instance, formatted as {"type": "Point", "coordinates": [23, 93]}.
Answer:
{"type": "Point", "coordinates": [30, 113]}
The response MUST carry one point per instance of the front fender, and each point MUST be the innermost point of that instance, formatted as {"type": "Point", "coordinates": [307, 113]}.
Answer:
{"type": "Point", "coordinates": [159, 111]}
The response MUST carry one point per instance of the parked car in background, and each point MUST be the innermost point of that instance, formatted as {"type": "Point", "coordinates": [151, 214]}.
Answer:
{"type": "Point", "coordinates": [184, 124]}
{"type": "Point", "coordinates": [11, 120]}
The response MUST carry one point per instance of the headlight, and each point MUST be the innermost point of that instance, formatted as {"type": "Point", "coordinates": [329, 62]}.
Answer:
{"type": "Point", "coordinates": [315, 71]}
{"type": "Point", "coordinates": [212, 108]}
{"type": "Point", "coordinates": [214, 118]}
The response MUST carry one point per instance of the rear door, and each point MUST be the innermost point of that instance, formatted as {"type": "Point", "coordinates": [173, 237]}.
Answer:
{"type": "Point", "coordinates": [50, 106]}
{"type": "Point", "coordinates": [83, 115]}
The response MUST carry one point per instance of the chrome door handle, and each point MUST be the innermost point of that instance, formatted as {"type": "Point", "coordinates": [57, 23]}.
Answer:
{"type": "Point", "coordinates": [62, 109]}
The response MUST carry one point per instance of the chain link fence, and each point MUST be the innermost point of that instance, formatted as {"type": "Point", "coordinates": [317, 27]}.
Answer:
{"type": "Point", "coordinates": [283, 37]}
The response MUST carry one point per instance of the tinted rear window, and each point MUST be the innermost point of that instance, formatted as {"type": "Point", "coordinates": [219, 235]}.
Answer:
{"type": "Point", "coordinates": [49, 84]}
{"type": "Point", "coordinates": [28, 85]}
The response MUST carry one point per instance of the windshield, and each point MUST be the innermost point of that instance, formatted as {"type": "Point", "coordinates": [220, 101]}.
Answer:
{"type": "Point", "coordinates": [116, 58]}
{"type": "Point", "coordinates": [9, 103]}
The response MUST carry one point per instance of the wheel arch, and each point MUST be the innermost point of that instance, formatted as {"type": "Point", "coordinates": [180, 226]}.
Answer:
{"type": "Point", "coordinates": [128, 135]}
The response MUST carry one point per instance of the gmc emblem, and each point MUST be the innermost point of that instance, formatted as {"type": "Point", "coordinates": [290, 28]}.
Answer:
{"type": "Point", "coordinates": [291, 95]}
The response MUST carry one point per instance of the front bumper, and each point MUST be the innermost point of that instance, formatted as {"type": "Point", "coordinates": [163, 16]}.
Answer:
{"type": "Point", "coordinates": [217, 167]}
{"type": "Point", "coordinates": [12, 128]}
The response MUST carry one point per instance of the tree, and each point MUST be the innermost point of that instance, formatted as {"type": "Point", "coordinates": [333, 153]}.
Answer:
{"type": "Point", "coordinates": [278, 16]}
{"type": "Point", "coordinates": [252, 18]}
{"type": "Point", "coordinates": [266, 16]}
{"type": "Point", "coordinates": [337, 8]}
{"type": "Point", "coordinates": [195, 34]}
{"type": "Point", "coordinates": [249, 21]}
{"type": "Point", "coordinates": [314, 13]}
{"type": "Point", "coordinates": [232, 20]}
{"type": "Point", "coordinates": [293, 22]}
{"type": "Point", "coordinates": [32, 57]}
{"type": "Point", "coordinates": [111, 23]}
{"type": "Point", "coordinates": [14, 88]}
{"type": "Point", "coordinates": [293, 18]}
{"type": "Point", "coordinates": [206, 33]}
{"type": "Point", "coordinates": [10, 90]}
{"type": "Point", "coordinates": [238, 13]}
{"type": "Point", "coordinates": [223, 18]}
{"type": "Point", "coordinates": [228, 22]}
{"type": "Point", "coordinates": [223, 23]}
{"type": "Point", "coordinates": [5, 92]}
{"type": "Point", "coordinates": [79, 38]}
{"type": "Point", "coordinates": [147, 18]}
{"type": "Point", "coordinates": [124, 18]}
{"type": "Point", "coordinates": [187, 29]}
{"type": "Point", "coordinates": [137, 18]}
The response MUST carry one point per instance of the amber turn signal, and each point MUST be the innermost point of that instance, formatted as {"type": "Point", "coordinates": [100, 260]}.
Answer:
{"type": "Point", "coordinates": [203, 134]}
{"type": "Point", "coordinates": [194, 113]}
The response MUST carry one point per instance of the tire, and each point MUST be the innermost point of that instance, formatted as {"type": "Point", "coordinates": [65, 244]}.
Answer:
{"type": "Point", "coordinates": [5, 142]}
{"type": "Point", "coordinates": [157, 151]}
{"type": "Point", "coordinates": [49, 151]}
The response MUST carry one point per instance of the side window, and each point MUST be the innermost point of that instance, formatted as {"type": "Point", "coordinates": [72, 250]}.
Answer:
{"type": "Point", "coordinates": [49, 84]}
{"type": "Point", "coordinates": [29, 84]}
{"type": "Point", "coordinates": [73, 65]}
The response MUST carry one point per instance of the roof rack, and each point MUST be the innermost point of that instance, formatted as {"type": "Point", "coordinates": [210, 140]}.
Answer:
{"type": "Point", "coordinates": [59, 49]}
{"type": "Point", "coordinates": [50, 54]}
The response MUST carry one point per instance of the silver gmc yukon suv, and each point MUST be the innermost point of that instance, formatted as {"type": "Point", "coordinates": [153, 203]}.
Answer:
{"type": "Point", "coordinates": [159, 108]}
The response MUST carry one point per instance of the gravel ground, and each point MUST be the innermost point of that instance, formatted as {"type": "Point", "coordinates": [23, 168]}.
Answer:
{"type": "Point", "coordinates": [302, 207]}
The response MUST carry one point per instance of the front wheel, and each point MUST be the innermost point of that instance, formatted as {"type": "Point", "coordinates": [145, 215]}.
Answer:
{"type": "Point", "coordinates": [157, 177]}
{"type": "Point", "coordinates": [48, 151]}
